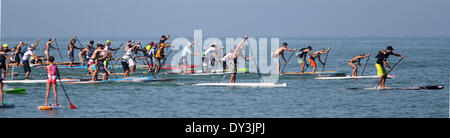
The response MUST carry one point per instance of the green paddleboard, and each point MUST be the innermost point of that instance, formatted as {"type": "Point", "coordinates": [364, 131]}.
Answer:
{"type": "Point", "coordinates": [16, 91]}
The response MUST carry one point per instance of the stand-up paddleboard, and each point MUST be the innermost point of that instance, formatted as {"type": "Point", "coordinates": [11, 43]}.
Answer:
{"type": "Point", "coordinates": [326, 73]}
{"type": "Point", "coordinates": [35, 81]}
{"type": "Point", "coordinates": [350, 77]}
{"type": "Point", "coordinates": [5, 105]}
{"type": "Point", "coordinates": [129, 79]}
{"type": "Point", "coordinates": [50, 107]}
{"type": "Point", "coordinates": [16, 91]}
{"type": "Point", "coordinates": [12, 74]}
{"type": "Point", "coordinates": [155, 80]}
{"type": "Point", "coordinates": [435, 87]}
{"type": "Point", "coordinates": [243, 84]}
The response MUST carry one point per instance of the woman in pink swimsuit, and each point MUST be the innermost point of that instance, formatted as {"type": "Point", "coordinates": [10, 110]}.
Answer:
{"type": "Point", "coordinates": [53, 74]}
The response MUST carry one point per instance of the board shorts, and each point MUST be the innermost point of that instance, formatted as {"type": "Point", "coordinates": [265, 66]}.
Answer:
{"type": "Point", "coordinates": [131, 62]}
{"type": "Point", "coordinates": [300, 61]}
{"type": "Point", "coordinates": [125, 66]}
{"type": "Point", "coordinates": [312, 62]}
{"type": "Point", "coordinates": [51, 79]}
{"type": "Point", "coordinates": [71, 56]}
{"type": "Point", "coordinates": [26, 66]}
{"type": "Point", "coordinates": [92, 65]}
{"type": "Point", "coordinates": [380, 70]}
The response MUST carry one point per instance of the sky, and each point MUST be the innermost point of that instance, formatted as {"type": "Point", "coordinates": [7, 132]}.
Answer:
{"type": "Point", "coordinates": [282, 18]}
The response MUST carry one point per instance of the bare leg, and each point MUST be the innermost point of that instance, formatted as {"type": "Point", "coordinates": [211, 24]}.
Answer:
{"type": "Point", "coordinates": [278, 68]}
{"type": "Point", "coordinates": [55, 94]}
{"type": "Point", "coordinates": [355, 69]}
{"type": "Point", "coordinates": [47, 94]}
{"type": "Point", "coordinates": [314, 69]}
{"type": "Point", "coordinates": [27, 74]}
{"type": "Point", "coordinates": [302, 68]}
{"type": "Point", "coordinates": [1, 92]}
{"type": "Point", "coordinates": [233, 78]}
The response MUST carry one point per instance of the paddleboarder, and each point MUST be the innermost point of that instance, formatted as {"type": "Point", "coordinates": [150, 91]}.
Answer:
{"type": "Point", "coordinates": [160, 55]}
{"type": "Point", "coordinates": [48, 45]}
{"type": "Point", "coordinates": [278, 52]}
{"type": "Point", "coordinates": [381, 62]}
{"type": "Point", "coordinates": [17, 51]}
{"type": "Point", "coordinates": [26, 58]}
{"type": "Point", "coordinates": [52, 76]}
{"type": "Point", "coordinates": [312, 57]}
{"type": "Point", "coordinates": [301, 58]}
{"type": "Point", "coordinates": [71, 48]}
{"type": "Point", "coordinates": [3, 58]}
{"type": "Point", "coordinates": [95, 60]}
{"type": "Point", "coordinates": [127, 59]}
{"type": "Point", "coordinates": [355, 59]}
{"type": "Point", "coordinates": [236, 52]}
{"type": "Point", "coordinates": [184, 56]}
{"type": "Point", "coordinates": [86, 53]}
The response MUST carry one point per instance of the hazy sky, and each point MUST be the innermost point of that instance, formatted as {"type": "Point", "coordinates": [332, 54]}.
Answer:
{"type": "Point", "coordinates": [142, 18]}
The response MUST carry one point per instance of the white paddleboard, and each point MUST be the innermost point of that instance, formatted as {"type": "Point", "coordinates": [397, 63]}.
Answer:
{"type": "Point", "coordinates": [350, 77]}
{"type": "Point", "coordinates": [243, 84]}
{"type": "Point", "coordinates": [35, 81]}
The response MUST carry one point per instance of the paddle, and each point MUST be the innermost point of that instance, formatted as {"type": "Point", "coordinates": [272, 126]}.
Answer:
{"type": "Point", "coordinates": [165, 57]}
{"type": "Point", "coordinates": [116, 61]}
{"type": "Point", "coordinates": [289, 59]}
{"type": "Point", "coordinates": [67, 96]}
{"type": "Point", "coordinates": [323, 68]}
{"type": "Point", "coordinates": [257, 68]}
{"type": "Point", "coordinates": [365, 65]}
{"type": "Point", "coordinates": [81, 46]}
{"type": "Point", "coordinates": [378, 82]}
{"type": "Point", "coordinates": [59, 51]}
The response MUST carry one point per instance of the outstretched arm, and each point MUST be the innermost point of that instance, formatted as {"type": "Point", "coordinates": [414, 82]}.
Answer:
{"type": "Point", "coordinates": [398, 55]}
{"type": "Point", "coordinates": [37, 42]}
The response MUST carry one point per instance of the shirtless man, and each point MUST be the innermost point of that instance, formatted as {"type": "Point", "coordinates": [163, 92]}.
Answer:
{"type": "Point", "coordinates": [280, 51]}
{"type": "Point", "coordinates": [71, 47]}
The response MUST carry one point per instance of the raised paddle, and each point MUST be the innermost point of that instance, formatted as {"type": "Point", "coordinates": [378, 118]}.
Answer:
{"type": "Point", "coordinates": [67, 96]}
{"type": "Point", "coordinates": [288, 61]}
{"type": "Point", "coordinates": [328, 51]}
{"type": "Point", "coordinates": [257, 68]}
{"type": "Point", "coordinates": [378, 82]}
{"type": "Point", "coordinates": [365, 65]}
{"type": "Point", "coordinates": [59, 51]}
{"type": "Point", "coordinates": [116, 62]}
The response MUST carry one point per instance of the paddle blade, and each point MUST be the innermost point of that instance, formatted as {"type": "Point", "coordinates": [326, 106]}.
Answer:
{"type": "Point", "coordinates": [72, 106]}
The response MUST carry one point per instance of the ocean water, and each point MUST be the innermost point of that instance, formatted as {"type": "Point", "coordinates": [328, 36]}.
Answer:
{"type": "Point", "coordinates": [426, 63]}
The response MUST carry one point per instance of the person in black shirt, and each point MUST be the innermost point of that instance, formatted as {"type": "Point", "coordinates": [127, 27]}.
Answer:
{"type": "Point", "coordinates": [381, 62]}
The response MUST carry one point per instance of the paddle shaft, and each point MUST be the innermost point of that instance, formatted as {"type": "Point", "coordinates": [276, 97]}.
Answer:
{"type": "Point", "coordinates": [114, 72]}
{"type": "Point", "coordinates": [378, 83]}
{"type": "Point", "coordinates": [257, 68]}
{"type": "Point", "coordinates": [289, 59]}
{"type": "Point", "coordinates": [323, 68]}
{"type": "Point", "coordinates": [67, 96]}
{"type": "Point", "coordinates": [365, 66]}
{"type": "Point", "coordinates": [59, 51]}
